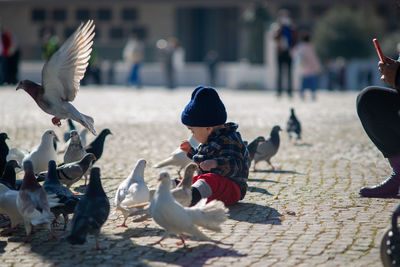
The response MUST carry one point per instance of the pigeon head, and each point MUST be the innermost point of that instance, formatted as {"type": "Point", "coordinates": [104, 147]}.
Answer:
{"type": "Point", "coordinates": [32, 88]}
{"type": "Point", "coordinates": [52, 176]}
{"type": "Point", "coordinates": [276, 129]}
{"type": "Point", "coordinates": [95, 188]}
{"type": "Point", "coordinates": [75, 138]}
{"type": "Point", "coordinates": [49, 135]}
{"type": "Point", "coordinates": [105, 132]}
{"type": "Point", "coordinates": [88, 158]}
{"type": "Point", "coordinates": [292, 111]}
{"type": "Point", "coordinates": [3, 136]}
{"type": "Point", "coordinates": [29, 182]}
{"type": "Point", "coordinates": [165, 181]}
{"type": "Point", "coordinates": [139, 168]}
{"type": "Point", "coordinates": [13, 164]}
{"type": "Point", "coordinates": [188, 175]}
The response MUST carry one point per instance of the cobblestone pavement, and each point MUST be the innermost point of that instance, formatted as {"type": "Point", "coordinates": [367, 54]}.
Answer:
{"type": "Point", "coordinates": [306, 214]}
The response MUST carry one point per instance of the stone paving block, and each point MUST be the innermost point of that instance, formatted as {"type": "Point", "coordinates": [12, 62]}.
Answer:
{"type": "Point", "coordinates": [318, 182]}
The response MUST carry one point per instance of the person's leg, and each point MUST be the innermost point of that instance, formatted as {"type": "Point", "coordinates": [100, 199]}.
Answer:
{"type": "Point", "coordinates": [213, 186]}
{"type": "Point", "coordinates": [313, 87]}
{"type": "Point", "coordinates": [378, 110]}
{"type": "Point", "coordinates": [289, 73]}
{"type": "Point", "coordinates": [279, 80]}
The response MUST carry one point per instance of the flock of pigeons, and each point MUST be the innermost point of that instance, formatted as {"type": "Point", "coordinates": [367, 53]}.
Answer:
{"type": "Point", "coordinates": [35, 204]}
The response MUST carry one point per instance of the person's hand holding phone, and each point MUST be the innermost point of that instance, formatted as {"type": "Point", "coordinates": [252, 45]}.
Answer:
{"type": "Point", "coordinates": [389, 70]}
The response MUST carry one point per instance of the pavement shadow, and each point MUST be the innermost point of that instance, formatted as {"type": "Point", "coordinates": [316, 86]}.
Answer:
{"type": "Point", "coordinates": [3, 245]}
{"type": "Point", "coordinates": [304, 144]}
{"type": "Point", "coordinates": [264, 180]}
{"type": "Point", "coordinates": [279, 171]}
{"type": "Point", "coordinates": [258, 190]}
{"type": "Point", "coordinates": [254, 213]}
{"type": "Point", "coordinates": [124, 252]}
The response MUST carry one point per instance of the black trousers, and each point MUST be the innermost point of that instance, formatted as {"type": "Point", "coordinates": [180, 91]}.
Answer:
{"type": "Point", "coordinates": [284, 61]}
{"type": "Point", "coordinates": [379, 111]}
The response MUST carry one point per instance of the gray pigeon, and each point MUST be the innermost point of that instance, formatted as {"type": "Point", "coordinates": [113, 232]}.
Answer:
{"type": "Point", "coordinates": [91, 212]}
{"type": "Point", "coordinates": [72, 127]}
{"type": "Point", "coordinates": [75, 150]}
{"type": "Point", "coordinates": [183, 192]}
{"type": "Point", "coordinates": [72, 172]}
{"type": "Point", "coordinates": [32, 202]}
{"type": "Point", "coordinates": [252, 147]}
{"type": "Point", "coordinates": [52, 185]}
{"type": "Point", "coordinates": [293, 126]}
{"type": "Point", "coordinates": [266, 150]}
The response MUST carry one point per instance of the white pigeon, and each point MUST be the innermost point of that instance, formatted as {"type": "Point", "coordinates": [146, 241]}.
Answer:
{"type": "Point", "coordinates": [8, 205]}
{"type": "Point", "coordinates": [133, 190]}
{"type": "Point", "coordinates": [178, 157]}
{"type": "Point", "coordinates": [178, 220]}
{"type": "Point", "coordinates": [18, 155]}
{"type": "Point", "coordinates": [32, 202]}
{"type": "Point", "coordinates": [43, 153]}
{"type": "Point", "coordinates": [61, 77]}
{"type": "Point", "coordinates": [75, 150]}
{"type": "Point", "coordinates": [181, 193]}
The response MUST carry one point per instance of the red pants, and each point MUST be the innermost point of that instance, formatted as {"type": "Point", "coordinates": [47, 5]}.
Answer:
{"type": "Point", "coordinates": [222, 188]}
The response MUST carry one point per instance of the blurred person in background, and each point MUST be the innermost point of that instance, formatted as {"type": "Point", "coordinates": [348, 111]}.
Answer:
{"type": "Point", "coordinates": [172, 57]}
{"type": "Point", "coordinates": [50, 44]}
{"type": "Point", "coordinates": [310, 66]}
{"type": "Point", "coordinates": [13, 59]}
{"type": "Point", "coordinates": [378, 109]}
{"type": "Point", "coordinates": [285, 37]}
{"type": "Point", "coordinates": [211, 61]}
{"type": "Point", "coordinates": [6, 43]}
{"type": "Point", "coordinates": [133, 54]}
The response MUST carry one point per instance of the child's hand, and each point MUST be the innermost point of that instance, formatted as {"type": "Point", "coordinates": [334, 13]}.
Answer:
{"type": "Point", "coordinates": [185, 146]}
{"type": "Point", "coordinates": [208, 164]}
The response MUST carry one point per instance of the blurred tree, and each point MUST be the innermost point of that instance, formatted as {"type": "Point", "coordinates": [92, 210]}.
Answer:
{"type": "Point", "coordinates": [348, 33]}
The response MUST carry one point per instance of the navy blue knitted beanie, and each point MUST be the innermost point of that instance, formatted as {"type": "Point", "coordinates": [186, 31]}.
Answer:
{"type": "Point", "coordinates": [205, 109]}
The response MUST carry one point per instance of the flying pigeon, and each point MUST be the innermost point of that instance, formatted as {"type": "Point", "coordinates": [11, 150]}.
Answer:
{"type": "Point", "coordinates": [267, 149]}
{"type": "Point", "coordinates": [9, 176]}
{"type": "Point", "coordinates": [75, 150]}
{"type": "Point", "coordinates": [72, 127]}
{"type": "Point", "coordinates": [32, 202]}
{"type": "Point", "coordinates": [71, 173]}
{"type": "Point", "coordinates": [3, 151]}
{"type": "Point", "coordinates": [293, 126]}
{"type": "Point", "coordinates": [61, 77]}
{"type": "Point", "coordinates": [52, 185]}
{"type": "Point", "coordinates": [91, 212]}
{"type": "Point", "coordinates": [8, 206]}
{"type": "Point", "coordinates": [178, 220]}
{"type": "Point", "coordinates": [45, 152]}
{"type": "Point", "coordinates": [252, 147]}
{"type": "Point", "coordinates": [178, 157]}
{"type": "Point", "coordinates": [133, 190]}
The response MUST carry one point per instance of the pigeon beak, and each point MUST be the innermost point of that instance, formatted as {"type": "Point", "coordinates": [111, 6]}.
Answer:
{"type": "Point", "coordinates": [19, 86]}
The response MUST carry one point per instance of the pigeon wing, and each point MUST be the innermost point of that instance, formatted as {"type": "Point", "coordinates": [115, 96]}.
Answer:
{"type": "Point", "coordinates": [62, 74]}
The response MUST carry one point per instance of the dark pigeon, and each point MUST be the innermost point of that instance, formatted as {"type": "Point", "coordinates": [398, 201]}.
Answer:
{"type": "Point", "coordinates": [96, 147]}
{"type": "Point", "coordinates": [293, 126]}
{"type": "Point", "coordinates": [252, 147]}
{"type": "Point", "coordinates": [52, 185]}
{"type": "Point", "coordinates": [3, 151]}
{"type": "Point", "coordinates": [91, 212]}
{"type": "Point", "coordinates": [266, 150]}
{"type": "Point", "coordinates": [72, 172]}
{"type": "Point", "coordinates": [72, 127]}
{"type": "Point", "coordinates": [9, 177]}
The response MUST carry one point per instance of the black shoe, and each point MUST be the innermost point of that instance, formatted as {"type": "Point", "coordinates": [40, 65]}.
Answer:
{"type": "Point", "coordinates": [388, 188]}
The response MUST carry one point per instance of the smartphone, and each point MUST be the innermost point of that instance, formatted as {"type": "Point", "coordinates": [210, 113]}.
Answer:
{"type": "Point", "coordinates": [378, 49]}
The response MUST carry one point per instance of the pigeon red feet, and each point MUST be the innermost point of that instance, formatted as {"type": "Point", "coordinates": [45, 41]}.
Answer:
{"type": "Point", "coordinates": [56, 121]}
{"type": "Point", "coordinates": [182, 243]}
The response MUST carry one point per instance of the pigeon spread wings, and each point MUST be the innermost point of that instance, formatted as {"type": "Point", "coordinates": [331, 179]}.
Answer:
{"type": "Point", "coordinates": [62, 74]}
